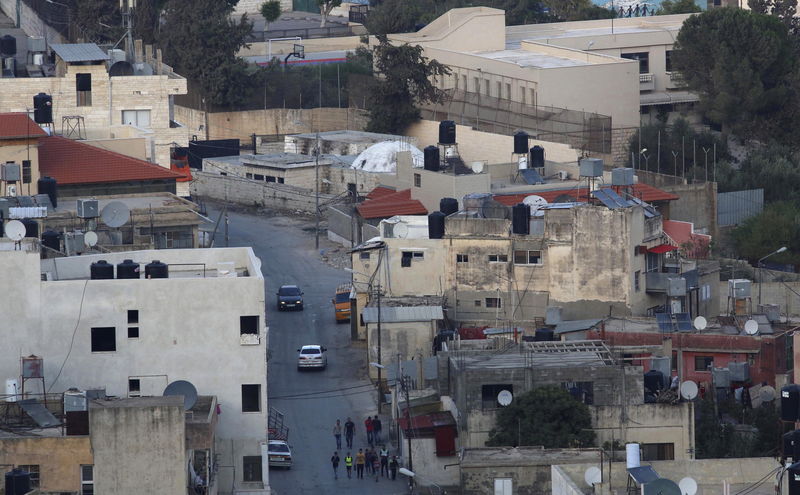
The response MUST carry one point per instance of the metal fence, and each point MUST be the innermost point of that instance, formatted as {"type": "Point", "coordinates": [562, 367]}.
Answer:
{"type": "Point", "coordinates": [57, 15]}
{"type": "Point", "coordinates": [735, 207]}
{"type": "Point", "coordinates": [305, 33]}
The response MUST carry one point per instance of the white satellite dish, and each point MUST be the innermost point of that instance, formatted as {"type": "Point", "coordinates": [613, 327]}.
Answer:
{"type": "Point", "coordinates": [688, 486]}
{"type": "Point", "coordinates": [535, 202]}
{"type": "Point", "coordinates": [504, 398]}
{"type": "Point", "coordinates": [90, 239]}
{"type": "Point", "coordinates": [15, 230]}
{"type": "Point", "coordinates": [700, 323]}
{"type": "Point", "coordinates": [767, 393]}
{"type": "Point", "coordinates": [476, 167]}
{"type": "Point", "coordinates": [400, 230]}
{"type": "Point", "coordinates": [593, 475]}
{"type": "Point", "coordinates": [115, 214]}
{"type": "Point", "coordinates": [688, 390]}
{"type": "Point", "coordinates": [751, 327]}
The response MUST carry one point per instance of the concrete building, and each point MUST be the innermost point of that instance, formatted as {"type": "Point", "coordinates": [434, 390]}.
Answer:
{"type": "Point", "coordinates": [132, 337]}
{"type": "Point", "coordinates": [19, 144]}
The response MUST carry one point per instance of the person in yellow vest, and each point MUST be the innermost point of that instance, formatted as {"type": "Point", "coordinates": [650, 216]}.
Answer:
{"type": "Point", "coordinates": [348, 463]}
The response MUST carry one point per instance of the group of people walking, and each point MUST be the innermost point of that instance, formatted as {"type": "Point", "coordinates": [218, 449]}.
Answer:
{"type": "Point", "coordinates": [374, 461]}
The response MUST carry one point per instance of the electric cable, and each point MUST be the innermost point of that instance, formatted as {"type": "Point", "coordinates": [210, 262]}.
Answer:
{"type": "Point", "coordinates": [72, 340]}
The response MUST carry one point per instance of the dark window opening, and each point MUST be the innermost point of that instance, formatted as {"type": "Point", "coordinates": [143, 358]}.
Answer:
{"type": "Point", "coordinates": [104, 339]}
{"type": "Point", "coordinates": [658, 451]}
{"type": "Point", "coordinates": [26, 171]}
{"type": "Point", "coordinates": [477, 303]}
{"type": "Point", "coordinates": [581, 391]}
{"type": "Point", "coordinates": [248, 175]}
{"type": "Point", "coordinates": [489, 394]}
{"type": "Point", "coordinates": [668, 60]}
{"type": "Point", "coordinates": [133, 316]}
{"type": "Point", "coordinates": [498, 258]}
{"type": "Point", "coordinates": [642, 57]}
{"type": "Point", "coordinates": [251, 468]}
{"type": "Point", "coordinates": [280, 180]}
{"type": "Point", "coordinates": [134, 385]}
{"type": "Point", "coordinates": [462, 258]}
{"type": "Point", "coordinates": [251, 398]}
{"type": "Point", "coordinates": [248, 325]}
{"type": "Point", "coordinates": [527, 257]}
{"type": "Point", "coordinates": [83, 88]}
{"type": "Point", "coordinates": [269, 178]}
{"type": "Point", "coordinates": [493, 302]}
{"type": "Point", "coordinates": [33, 470]}
{"type": "Point", "coordinates": [364, 255]}
{"type": "Point", "coordinates": [133, 332]}
{"type": "Point", "coordinates": [703, 363]}
{"type": "Point", "coordinates": [258, 177]}
{"type": "Point", "coordinates": [417, 180]}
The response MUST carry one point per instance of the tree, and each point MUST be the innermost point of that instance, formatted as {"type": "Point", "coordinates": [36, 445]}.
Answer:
{"type": "Point", "coordinates": [678, 7]}
{"type": "Point", "coordinates": [146, 20]}
{"type": "Point", "coordinates": [98, 21]}
{"type": "Point", "coordinates": [403, 79]}
{"type": "Point", "coordinates": [778, 225]}
{"type": "Point", "coordinates": [325, 7]}
{"type": "Point", "coordinates": [774, 168]}
{"type": "Point", "coordinates": [547, 416]}
{"type": "Point", "coordinates": [270, 11]}
{"type": "Point", "coordinates": [785, 10]}
{"type": "Point", "coordinates": [744, 69]}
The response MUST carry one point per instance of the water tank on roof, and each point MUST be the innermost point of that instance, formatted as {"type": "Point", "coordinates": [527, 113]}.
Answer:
{"type": "Point", "coordinates": [31, 227]}
{"type": "Point", "coordinates": [537, 157]}
{"type": "Point", "coordinates": [8, 46]}
{"type": "Point", "coordinates": [448, 206]}
{"type": "Point", "coordinates": [653, 381]}
{"type": "Point", "coordinates": [790, 402]}
{"type": "Point", "coordinates": [544, 335]}
{"type": "Point", "coordinates": [18, 482]}
{"type": "Point", "coordinates": [436, 225]}
{"type": "Point", "coordinates": [521, 219]}
{"type": "Point", "coordinates": [794, 478]}
{"type": "Point", "coordinates": [447, 132]}
{"type": "Point", "coordinates": [128, 269]}
{"type": "Point", "coordinates": [156, 269]}
{"type": "Point", "coordinates": [51, 239]}
{"type": "Point", "coordinates": [432, 158]}
{"type": "Point", "coordinates": [101, 270]}
{"type": "Point", "coordinates": [49, 186]}
{"type": "Point", "coordinates": [43, 108]}
{"type": "Point", "coordinates": [521, 143]}
{"type": "Point", "coordinates": [791, 445]}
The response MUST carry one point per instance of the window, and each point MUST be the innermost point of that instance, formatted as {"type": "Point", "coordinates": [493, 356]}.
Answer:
{"type": "Point", "coordinates": [462, 258]}
{"type": "Point", "coordinates": [87, 480]}
{"type": "Point", "coordinates": [417, 180]}
{"type": "Point", "coordinates": [269, 178]}
{"type": "Point", "coordinates": [498, 258]}
{"type": "Point", "coordinates": [674, 361]}
{"type": "Point", "coordinates": [522, 92]}
{"type": "Point", "coordinates": [527, 257]}
{"type": "Point", "coordinates": [489, 394]}
{"type": "Point", "coordinates": [508, 91]}
{"type": "Point", "coordinates": [643, 58]}
{"type": "Point", "coordinates": [134, 387]}
{"type": "Point", "coordinates": [104, 339]}
{"type": "Point", "coordinates": [251, 398]}
{"type": "Point", "coordinates": [636, 285]}
{"type": "Point", "coordinates": [582, 391]}
{"type": "Point", "coordinates": [703, 363]}
{"type": "Point", "coordinates": [248, 324]}
{"type": "Point", "coordinates": [133, 332]}
{"type": "Point", "coordinates": [408, 256]}
{"type": "Point", "coordinates": [476, 85]}
{"type": "Point", "coordinates": [136, 118]}
{"type": "Point", "coordinates": [251, 468]}
{"type": "Point", "coordinates": [658, 451]}
{"type": "Point", "coordinates": [751, 359]}
{"type": "Point", "coordinates": [33, 469]}
{"type": "Point", "coordinates": [503, 486]}
{"type": "Point", "coordinates": [133, 316]}
{"type": "Point", "coordinates": [464, 82]}
{"type": "Point", "coordinates": [486, 86]}
{"type": "Point", "coordinates": [248, 175]}
{"type": "Point", "coordinates": [653, 262]}
{"type": "Point", "coordinates": [493, 302]}
{"type": "Point", "coordinates": [280, 180]}
{"type": "Point", "coordinates": [668, 60]}
{"type": "Point", "coordinates": [363, 255]}
{"type": "Point", "coordinates": [477, 303]}
{"type": "Point", "coordinates": [83, 89]}
{"type": "Point", "coordinates": [26, 171]}
{"type": "Point", "coordinates": [499, 89]}
{"type": "Point", "coordinates": [258, 177]}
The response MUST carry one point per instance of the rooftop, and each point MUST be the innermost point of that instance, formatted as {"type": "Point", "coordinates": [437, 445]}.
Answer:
{"type": "Point", "coordinates": [79, 52]}
{"type": "Point", "coordinates": [348, 136]}
{"type": "Point", "coordinates": [398, 314]}
{"type": "Point", "coordinates": [389, 205]}
{"type": "Point", "coordinates": [537, 355]}
{"type": "Point", "coordinates": [528, 58]}
{"type": "Point", "coordinates": [525, 456]}
{"type": "Point", "coordinates": [19, 125]}
{"type": "Point", "coordinates": [132, 201]}
{"type": "Point", "coordinates": [645, 192]}
{"type": "Point", "coordinates": [136, 402]}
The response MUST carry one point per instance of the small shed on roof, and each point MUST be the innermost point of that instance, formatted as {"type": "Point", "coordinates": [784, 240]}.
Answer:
{"type": "Point", "coordinates": [400, 314]}
{"type": "Point", "coordinates": [79, 52]}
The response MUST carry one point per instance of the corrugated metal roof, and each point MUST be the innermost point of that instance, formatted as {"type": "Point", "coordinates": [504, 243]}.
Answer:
{"type": "Point", "coordinates": [646, 192]}
{"type": "Point", "coordinates": [79, 52]}
{"type": "Point", "coordinates": [402, 313]}
{"type": "Point", "coordinates": [575, 325]}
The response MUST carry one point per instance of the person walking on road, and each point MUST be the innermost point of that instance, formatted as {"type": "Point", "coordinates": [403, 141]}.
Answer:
{"type": "Point", "coordinates": [335, 464]}
{"type": "Point", "coordinates": [360, 464]}
{"type": "Point", "coordinates": [368, 426]}
{"type": "Point", "coordinates": [349, 430]}
{"type": "Point", "coordinates": [348, 464]}
{"type": "Point", "coordinates": [337, 433]}
{"type": "Point", "coordinates": [376, 467]}
{"type": "Point", "coordinates": [368, 455]}
{"type": "Point", "coordinates": [384, 461]}
{"type": "Point", "coordinates": [393, 467]}
{"type": "Point", "coordinates": [376, 429]}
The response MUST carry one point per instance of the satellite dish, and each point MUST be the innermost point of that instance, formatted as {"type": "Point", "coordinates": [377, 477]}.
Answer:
{"type": "Point", "coordinates": [688, 486]}
{"type": "Point", "coordinates": [751, 327]}
{"type": "Point", "coordinates": [504, 398]}
{"type": "Point", "coordinates": [115, 214]}
{"type": "Point", "coordinates": [700, 323]}
{"type": "Point", "coordinates": [767, 393]}
{"type": "Point", "coordinates": [90, 239]}
{"type": "Point", "coordinates": [476, 167]}
{"type": "Point", "coordinates": [662, 486]}
{"type": "Point", "coordinates": [688, 390]}
{"type": "Point", "coordinates": [184, 388]}
{"type": "Point", "coordinates": [593, 475]}
{"type": "Point", "coordinates": [400, 230]}
{"type": "Point", "coordinates": [15, 230]}
{"type": "Point", "coordinates": [535, 202]}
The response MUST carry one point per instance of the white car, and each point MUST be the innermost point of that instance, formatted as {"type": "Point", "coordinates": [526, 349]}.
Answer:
{"type": "Point", "coordinates": [280, 454]}
{"type": "Point", "coordinates": [312, 356]}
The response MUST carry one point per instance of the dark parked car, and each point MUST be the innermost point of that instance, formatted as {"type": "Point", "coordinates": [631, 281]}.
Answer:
{"type": "Point", "coordinates": [290, 297]}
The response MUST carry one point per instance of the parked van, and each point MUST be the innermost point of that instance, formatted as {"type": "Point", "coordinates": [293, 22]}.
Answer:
{"type": "Point", "coordinates": [341, 303]}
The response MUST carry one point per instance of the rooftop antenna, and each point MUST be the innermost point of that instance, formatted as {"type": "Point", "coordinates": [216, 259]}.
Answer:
{"type": "Point", "coordinates": [126, 7]}
{"type": "Point", "coordinates": [115, 214]}
{"type": "Point", "coordinates": [15, 230]}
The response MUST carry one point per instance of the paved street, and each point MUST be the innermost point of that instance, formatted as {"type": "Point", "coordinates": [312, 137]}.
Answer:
{"type": "Point", "coordinates": [310, 401]}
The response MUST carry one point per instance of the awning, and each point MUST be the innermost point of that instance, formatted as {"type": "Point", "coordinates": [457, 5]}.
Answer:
{"type": "Point", "coordinates": [663, 248]}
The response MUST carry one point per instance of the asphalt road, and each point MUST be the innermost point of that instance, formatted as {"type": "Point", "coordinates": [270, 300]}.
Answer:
{"type": "Point", "coordinates": [311, 401]}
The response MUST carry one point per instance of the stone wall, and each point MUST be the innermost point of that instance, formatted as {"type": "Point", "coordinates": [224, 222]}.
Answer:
{"type": "Point", "coordinates": [697, 204]}
{"type": "Point", "coordinates": [620, 141]}
{"type": "Point", "coordinates": [252, 7]}
{"type": "Point", "coordinates": [30, 21]}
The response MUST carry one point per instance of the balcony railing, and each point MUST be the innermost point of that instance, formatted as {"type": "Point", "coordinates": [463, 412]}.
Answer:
{"type": "Point", "coordinates": [645, 78]}
{"type": "Point", "coordinates": [646, 82]}
{"type": "Point", "coordinates": [659, 282]}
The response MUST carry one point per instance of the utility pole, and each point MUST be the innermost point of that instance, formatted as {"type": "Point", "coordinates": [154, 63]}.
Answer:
{"type": "Point", "coordinates": [408, 424]}
{"type": "Point", "coordinates": [316, 200]}
{"type": "Point", "coordinates": [380, 365]}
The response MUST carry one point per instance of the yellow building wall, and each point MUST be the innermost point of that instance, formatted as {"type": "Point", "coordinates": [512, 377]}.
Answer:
{"type": "Point", "coordinates": [59, 459]}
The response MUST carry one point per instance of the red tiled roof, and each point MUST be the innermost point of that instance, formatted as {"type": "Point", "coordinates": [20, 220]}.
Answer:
{"type": "Point", "coordinates": [18, 125]}
{"type": "Point", "coordinates": [74, 162]}
{"type": "Point", "coordinates": [645, 192]}
{"type": "Point", "coordinates": [380, 192]}
{"type": "Point", "coordinates": [389, 205]}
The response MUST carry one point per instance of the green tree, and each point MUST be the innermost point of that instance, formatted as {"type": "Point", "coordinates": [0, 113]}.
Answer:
{"type": "Point", "coordinates": [403, 79]}
{"type": "Point", "coordinates": [778, 225]}
{"type": "Point", "coordinates": [547, 416]}
{"type": "Point", "coordinates": [744, 69]}
{"type": "Point", "coordinates": [200, 42]}
{"type": "Point", "coordinates": [325, 7]}
{"type": "Point", "coordinates": [98, 21]}
{"type": "Point", "coordinates": [270, 11]}
{"type": "Point", "coordinates": [678, 7]}
{"type": "Point", "coordinates": [785, 10]}
{"type": "Point", "coordinates": [393, 16]}
{"type": "Point", "coordinates": [774, 168]}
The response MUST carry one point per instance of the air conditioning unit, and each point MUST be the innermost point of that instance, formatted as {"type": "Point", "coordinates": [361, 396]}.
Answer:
{"type": "Point", "coordinates": [11, 190]}
{"type": "Point", "coordinates": [87, 208]}
{"type": "Point", "coordinates": [10, 172]}
{"type": "Point", "coordinates": [739, 288]}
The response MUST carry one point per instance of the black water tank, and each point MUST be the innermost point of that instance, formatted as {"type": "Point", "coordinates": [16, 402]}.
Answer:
{"type": "Point", "coordinates": [521, 143]}
{"type": "Point", "coordinates": [794, 478]}
{"type": "Point", "coordinates": [101, 270]}
{"type": "Point", "coordinates": [49, 186]}
{"type": "Point", "coordinates": [436, 225]}
{"type": "Point", "coordinates": [43, 108]}
{"type": "Point", "coordinates": [51, 239]}
{"type": "Point", "coordinates": [31, 227]}
{"type": "Point", "coordinates": [448, 206]}
{"type": "Point", "coordinates": [447, 132]}
{"type": "Point", "coordinates": [18, 482]}
{"type": "Point", "coordinates": [790, 402]}
{"type": "Point", "coordinates": [791, 445]}
{"type": "Point", "coordinates": [653, 381]}
{"type": "Point", "coordinates": [432, 159]}
{"type": "Point", "coordinates": [128, 269]}
{"type": "Point", "coordinates": [520, 219]}
{"type": "Point", "coordinates": [8, 46]}
{"type": "Point", "coordinates": [156, 269]}
{"type": "Point", "coordinates": [544, 335]}
{"type": "Point", "coordinates": [537, 157]}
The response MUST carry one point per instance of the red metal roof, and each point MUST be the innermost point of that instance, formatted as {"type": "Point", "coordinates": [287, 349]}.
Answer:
{"type": "Point", "coordinates": [389, 205]}
{"type": "Point", "coordinates": [74, 162]}
{"type": "Point", "coordinates": [18, 125]}
{"type": "Point", "coordinates": [663, 248]}
{"type": "Point", "coordinates": [428, 421]}
{"type": "Point", "coordinates": [380, 192]}
{"type": "Point", "coordinates": [645, 192]}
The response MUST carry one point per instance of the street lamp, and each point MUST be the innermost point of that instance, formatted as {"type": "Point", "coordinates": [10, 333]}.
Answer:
{"type": "Point", "coordinates": [411, 475]}
{"type": "Point", "coordinates": [642, 152]}
{"type": "Point", "coordinates": [760, 270]}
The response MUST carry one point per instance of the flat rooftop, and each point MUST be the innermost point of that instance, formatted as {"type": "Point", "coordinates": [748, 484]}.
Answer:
{"type": "Point", "coordinates": [134, 202]}
{"type": "Point", "coordinates": [556, 354]}
{"type": "Point", "coordinates": [283, 161]}
{"type": "Point", "coordinates": [134, 402]}
{"type": "Point", "coordinates": [348, 136]}
{"type": "Point", "coordinates": [525, 456]}
{"type": "Point", "coordinates": [528, 58]}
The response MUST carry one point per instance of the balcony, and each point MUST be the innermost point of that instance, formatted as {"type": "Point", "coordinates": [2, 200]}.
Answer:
{"type": "Point", "coordinates": [647, 82]}
{"type": "Point", "coordinates": [671, 284]}
{"type": "Point", "coordinates": [674, 80]}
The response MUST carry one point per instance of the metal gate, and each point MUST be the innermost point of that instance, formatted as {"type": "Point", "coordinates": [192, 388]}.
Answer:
{"type": "Point", "coordinates": [305, 6]}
